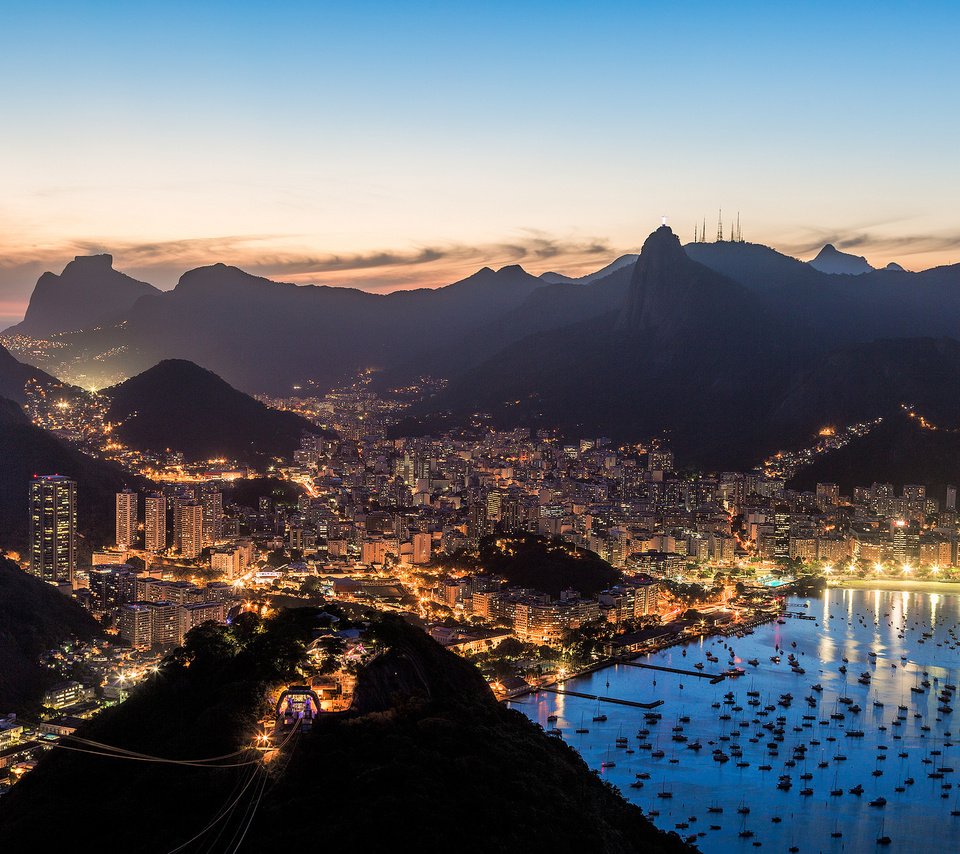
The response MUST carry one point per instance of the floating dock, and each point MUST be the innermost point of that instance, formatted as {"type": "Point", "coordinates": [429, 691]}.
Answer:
{"type": "Point", "coordinates": [598, 698]}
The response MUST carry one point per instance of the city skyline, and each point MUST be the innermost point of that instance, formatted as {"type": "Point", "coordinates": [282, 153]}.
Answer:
{"type": "Point", "coordinates": [391, 149]}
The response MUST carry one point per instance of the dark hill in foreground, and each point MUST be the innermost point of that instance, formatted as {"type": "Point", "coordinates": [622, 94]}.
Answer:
{"type": "Point", "coordinates": [427, 762]}
{"type": "Point", "coordinates": [34, 617]}
{"type": "Point", "coordinates": [179, 406]}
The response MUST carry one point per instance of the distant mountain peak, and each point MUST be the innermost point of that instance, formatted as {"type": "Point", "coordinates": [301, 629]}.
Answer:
{"type": "Point", "coordinates": [89, 292]}
{"type": "Point", "coordinates": [832, 260]}
{"type": "Point", "coordinates": [104, 261]}
{"type": "Point", "coordinates": [669, 289]}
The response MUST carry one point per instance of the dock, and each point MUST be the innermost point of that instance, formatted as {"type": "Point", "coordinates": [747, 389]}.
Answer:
{"type": "Point", "coordinates": [713, 677]}
{"type": "Point", "coordinates": [599, 699]}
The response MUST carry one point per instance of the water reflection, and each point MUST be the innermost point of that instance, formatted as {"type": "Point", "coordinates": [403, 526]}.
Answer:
{"type": "Point", "coordinates": [814, 750]}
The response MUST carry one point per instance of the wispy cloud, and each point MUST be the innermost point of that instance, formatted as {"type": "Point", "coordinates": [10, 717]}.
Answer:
{"type": "Point", "coordinates": [875, 243]}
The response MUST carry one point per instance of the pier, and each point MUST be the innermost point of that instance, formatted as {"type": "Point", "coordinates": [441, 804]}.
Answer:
{"type": "Point", "coordinates": [713, 677]}
{"type": "Point", "coordinates": [600, 699]}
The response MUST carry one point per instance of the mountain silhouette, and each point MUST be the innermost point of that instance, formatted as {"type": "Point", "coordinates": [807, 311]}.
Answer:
{"type": "Point", "coordinates": [88, 292]}
{"type": "Point", "coordinates": [832, 260]}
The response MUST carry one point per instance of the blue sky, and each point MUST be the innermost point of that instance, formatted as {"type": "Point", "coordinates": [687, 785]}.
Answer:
{"type": "Point", "coordinates": [337, 142]}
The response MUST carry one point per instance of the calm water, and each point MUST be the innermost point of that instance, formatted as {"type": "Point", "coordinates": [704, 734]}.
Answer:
{"type": "Point", "coordinates": [847, 624]}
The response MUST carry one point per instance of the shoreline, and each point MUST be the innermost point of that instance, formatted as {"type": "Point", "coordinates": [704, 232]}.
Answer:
{"type": "Point", "coordinates": [904, 585]}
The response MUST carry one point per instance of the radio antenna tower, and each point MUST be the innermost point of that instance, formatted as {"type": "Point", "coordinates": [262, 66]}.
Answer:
{"type": "Point", "coordinates": [703, 231]}
{"type": "Point", "coordinates": [720, 226]}
{"type": "Point", "coordinates": [739, 233]}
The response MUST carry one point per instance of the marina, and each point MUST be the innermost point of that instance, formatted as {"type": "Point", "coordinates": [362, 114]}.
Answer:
{"type": "Point", "coordinates": [837, 737]}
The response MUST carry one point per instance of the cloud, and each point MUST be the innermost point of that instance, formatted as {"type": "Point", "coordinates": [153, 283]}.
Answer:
{"type": "Point", "coordinates": [867, 242]}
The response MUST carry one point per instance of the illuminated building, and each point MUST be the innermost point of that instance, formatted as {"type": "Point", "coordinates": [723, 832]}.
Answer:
{"type": "Point", "coordinates": [781, 532]}
{"type": "Point", "coordinates": [493, 508]}
{"type": "Point", "coordinates": [136, 625]}
{"type": "Point", "coordinates": [110, 586]}
{"type": "Point", "coordinates": [828, 495]}
{"type": "Point", "coordinates": [803, 549]}
{"type": "Point", "coordinates": [189, 528]}
{"type": "Point", "coordinates": [226, 561]}
{"type": "Point", "coordinates": [155, 523]}
{"type": "Point", "coordinates": [53, 523]}
{"type": "Point", "coordinates": [212, 502]}
{"type": "Point", "coordinates": [165, 628]}
{"type": "Point", "coordinates": [126, 519]}
{"type": "Point", "coordinates": [421, 548]}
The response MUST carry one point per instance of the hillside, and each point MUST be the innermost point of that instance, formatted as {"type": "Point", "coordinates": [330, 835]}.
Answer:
{"type": "Point", "coordinates": [14, 376]}
{"type": "Point", "coordinates": [898, 451]}
{"type": "Point", "coordinates": [527, 560]}
{"type": "Point", "coordinates": [88, 292]}
{"type": "Point", "coordinates": [864, 381]}
{"type": "Point", "coordinates": [27, 450]}
{"type": "Point", "coordinates": [34, 617]}
{"type": "Point", "coordinates": [177, 405]}
{"type": "Point", "coordinates": [426, 753]}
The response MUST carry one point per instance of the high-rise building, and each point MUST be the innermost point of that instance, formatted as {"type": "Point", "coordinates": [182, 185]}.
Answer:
{"type": "Point", "coordinates": [951, 498]}
{"type": "Point", "coordinates": [110, 586]}
{"type": "Point", "coordinates": [828, 495]}
{"type": "Point", "coordinates": [53, 527]}
{"type": "Point", "coordinates": [188, 532]}
{"type": "Point", "coordinates": [126, 519]}
{"type": "Point", "coordinates": [422, 542]}
{"type": "Point", "coordinates": [136, 624]}
{"type": "Point", "coordinates": [493, 507]}
{"type": "Point", "coordinates": [212, 501]}
{"type": "Point", "coordinates": [226, 561]}
{"type": "Point", "coordinates": [781, 532]}
{"type": "Point", "coordinates": [165, 623]}
{"type": "Point", "coordinates": [155, 523]}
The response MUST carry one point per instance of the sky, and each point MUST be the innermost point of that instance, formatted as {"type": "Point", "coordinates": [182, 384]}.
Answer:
{"type": "Point", "coordinates": [397, 145]}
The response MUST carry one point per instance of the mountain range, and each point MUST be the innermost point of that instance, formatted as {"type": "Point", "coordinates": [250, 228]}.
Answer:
{"type": "Point", "coordinates": [731, 349]}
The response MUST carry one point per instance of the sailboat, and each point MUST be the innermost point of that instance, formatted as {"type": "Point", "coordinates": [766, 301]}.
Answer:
{"type": "Point", "coordinates": [581, 729]}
